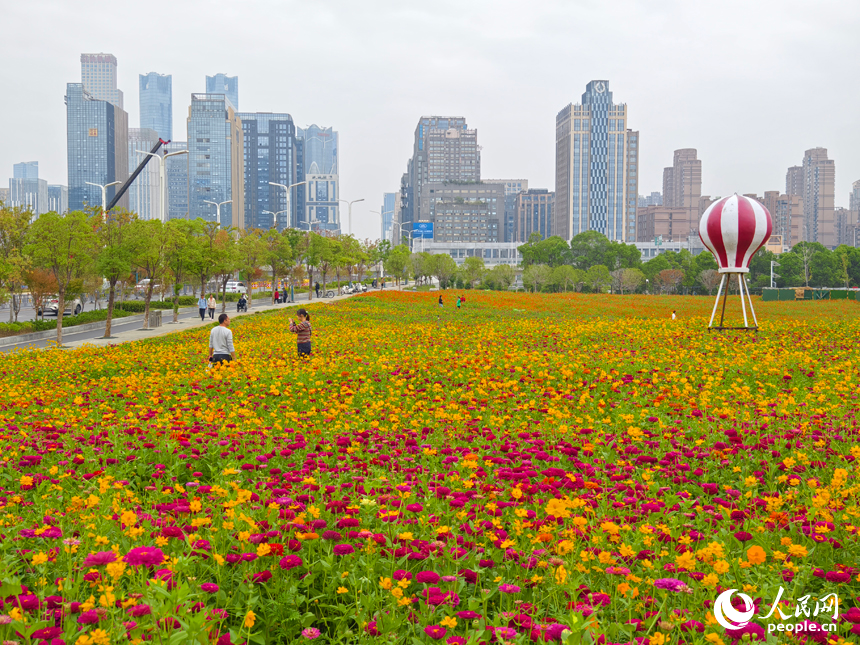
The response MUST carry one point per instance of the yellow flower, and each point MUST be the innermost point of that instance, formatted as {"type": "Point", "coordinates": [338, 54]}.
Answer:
{"type": "Point", "coordinates": [263, 550]}
{"type": "Point", "coordinates": [721, 566]}
{"type": "Point", "coordinates": [657, 639]}
{"type": "Point", "coordinates": [798, 550]}
{"type": "Point", "coordinates": [99, 637]}
{"type": "Point", "coordinates": [16, 614]}
{"type": "Point", "coordinates": [250, 617]}
{"type": "Point", "coordinates": [342, 590]}
{"type": "Point", "coordinates": [686, 561]}
{"type": "Point", "coordinates": [710, 581]}
{"type": "Point", "coordinates": [560, 575]}
{"type": "Point", "coordinates": [449, 621]}
{"type": "Point", "coordinates": [397, 592]}
{"type": "Point", "coordinates": [40, 558]}
{"type": "Point", "coordinates": [406, 536]}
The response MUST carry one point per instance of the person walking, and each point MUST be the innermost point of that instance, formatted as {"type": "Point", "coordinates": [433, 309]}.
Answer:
{"type": "Point", "coordinates": [440, 300]}
{"type": "Point", "coordinates": [221, 348]}
{"type": "Point", "coordinates": [201, 305]}
{"type": "Point", "coordinates": [302, 330]}
{"type": "Point", "coordinates": [317, 289]}
{"type": "Point", "coordinates": [463, 299]}
{"type": "Point", "coordinates": [458, 302]}
{"type": "Point", "coordinates": [212, 304]}
{"type": "Point", "coordinates": [277, 297]}
{"type": "Point", "coordinates": [673, 314]}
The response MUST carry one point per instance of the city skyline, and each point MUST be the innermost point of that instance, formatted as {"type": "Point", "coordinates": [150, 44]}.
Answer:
{"type": "Point", "coordinates": [670, 115]}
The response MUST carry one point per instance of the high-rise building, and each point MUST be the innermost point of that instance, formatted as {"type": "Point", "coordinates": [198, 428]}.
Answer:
{"type": "Point", "coordinates": [769, 201]}
{"type": "Point", "coordinates": [318, 147]}
{"type": "Point", "coordinates": [226, 85]}
{"type": "Point", "coordinates": [4, 195]}
{"type": "Point", "coordinates": [216, 167]}
{"type": "Point", "coordinates": [97, 147]}
{"type": "Point", "coordinates": [176, 170]}
{"type": "Point", "coordinates": [794, 181]}
{"type": "Point", "coordinates": [388, 210]}
{"type": "Point", "coordinates": [58, 198]}
{"type": "Point", "coordinates": [444, 150]}
{"type": "Point", "coordinates": [463, 211]}
{"type": "Point", "coordinates": [854, 196]}
{"type": "Point", "coordinates": [98, 74]}
{"type": "Point", "coordinates": [682, 185]}
{"type": "Point", "coordinates": [819, 191]}
{"type": "Point", "coordinates": [597, 174]}
{"type": "Point", "coordinates": [156, 104]}
{"type": "Point", "coordinates": [513, 187]}
{"type": "Point", "coordinates": [321, 201]}
{"type": "Point", "coordinates": [669, 224]}
{"type": "Point", "coordinates": [534, 214]}
{"type": "Point", "coordinates": [654, 199]}
{"type": "Point", "coordinates": [271, 155]}
{"type": "Point", "coordinates": [846, 221]}
{"type": "Point", "coordinates": [25, 170]}
{"type": "Point", "coordinates": [788, 220]}
{"type": "Point", "coordinates": [26, 190]}
{"type": "Point", "coordinates": [144, 194]}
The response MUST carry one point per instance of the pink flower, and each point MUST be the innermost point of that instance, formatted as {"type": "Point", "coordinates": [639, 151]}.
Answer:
{"type": "Point", "coordinates": [506, 588]}
{"type": "Point", "coordinates": [137, 611]}
{"type": "Point", "coordinates": [291, 562]}
{"type": "Point", "coordinates": [436, 632]}
{"type": "Point", "coordinates": [99, 559]}
{"type": "Point", "coordinates": [343, 549]}
{"type": "Point", "coordinates": [427, 577]}
{"type": "Point", "coordinates": [144, 556]}
{"type": "Point", "coordinates": [210, 587]}
{"type": "Point", "coordinates": [311, 633]}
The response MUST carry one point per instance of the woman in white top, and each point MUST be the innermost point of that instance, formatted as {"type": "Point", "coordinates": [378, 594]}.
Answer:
{"type": "Point", "coordinates": [212, 302]}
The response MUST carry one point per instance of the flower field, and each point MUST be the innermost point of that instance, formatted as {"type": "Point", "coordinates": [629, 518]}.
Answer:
{"type": "Point", "coordinates": [531, 468]}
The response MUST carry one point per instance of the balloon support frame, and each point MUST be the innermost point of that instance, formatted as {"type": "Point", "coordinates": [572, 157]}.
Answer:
{"type": "Point", "coordinates": [745, 298]}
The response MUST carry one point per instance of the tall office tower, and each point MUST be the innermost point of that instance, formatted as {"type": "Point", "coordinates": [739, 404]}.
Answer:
{"type": "Point", "coordinates": [794, 181]}
{"type": "Point", "coordinates": [58, 198]}
{"type": "Point", "coordinates": [318, 147]}
{"type": "Point", "coordinates": [270, 156]}
{"type": "Point", "coordinates": [769, 201]}
{"type": "Point", "coordinates": [156, 104]}
{"type": "Point", "coordinates": [26, 190]}
{"type": "Point", "coordinates": [98, 74]}
{"type": "Point", "coordinates": [26, 170]}
{"type": "Point", "coordinates": [4, 195]}
{"type": "Point", "coordinates": [819, 180]}
{"type": "Point", "coordinates": [513, 187]}
{"type": "Point", "coordinates": [176, 169]}
{"type": "Point", "coordinates": [388, 210]}
{"type": "Point", "coordinates": [788, 219]}
{"type": "Point", "coordinates": [854, 196]}
{"type": "Point", "coordinates": [464, 212]}
{"type": "Point", "coordinates": [846, 225]}
{"type": "Point", "coordinates": [596, 167]}
{"type": "Point", "coordinates": [321, 201]}
{"type": "Point", "coordinates": [216, 166]}
{"type": "Point", "coordinates": [534, 214]}
{"type": "Point", "coordinates": [682, 185]}
{"type": "Point", "coordinates": [97, 147]}
{"type": "Point", "coordinates": [144, 194]}
{"type": "Point", "coordinates": [444, 150]}
{"type": "Point", "coordinates": [226, 85]}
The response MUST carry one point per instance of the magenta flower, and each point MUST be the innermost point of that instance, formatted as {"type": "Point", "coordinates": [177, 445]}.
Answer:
{"type": "Point", "coordinates": [210, 587]}
{"type": "Point", "coordinates": [99, 559]}
{"type": "Point", "coordinates": [291, 562]}
{"type": "Point", "coordinates": [311, 633]}
{"type": "Point", "coordinates": [506, 588]}
{"type": "Point", "coordinates": [144, 556]}
{"type": "Point", "coordinates": [343, 549]}
{"type": "Point", "coordinates": [436, 632]}
{"type": "Point", "coordinates": [137, 611]}
{"type": "Point", "coordinates": [670, 584]}
{"type": "Point", "coordinates": [427, 577]}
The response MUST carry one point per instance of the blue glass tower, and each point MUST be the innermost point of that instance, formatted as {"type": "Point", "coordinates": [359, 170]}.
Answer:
{"type": "Point", "coordinates": [156, 104]}
{"type": "Point", "coordinates": [227, 85]}
{"type": "Point", "coordinates": [97, 140]}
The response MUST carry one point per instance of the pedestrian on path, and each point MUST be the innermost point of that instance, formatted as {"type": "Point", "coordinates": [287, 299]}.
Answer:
{"type": "Point", "coordinates": [302, 330]}
{"type": "Point", "coordinates": [212, 304]}
{"type": "Point", "coordinates": [277, 296]}
{"type": "Point", "coordinates": [201, 305]}
{"type": "Point", "coordinates": [221, 348]}
{"type": "Point", "coordinates": [317, 288]}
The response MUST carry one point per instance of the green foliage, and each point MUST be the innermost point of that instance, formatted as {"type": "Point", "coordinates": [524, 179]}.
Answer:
{"type": "Point", "coordinates": [33, 326]}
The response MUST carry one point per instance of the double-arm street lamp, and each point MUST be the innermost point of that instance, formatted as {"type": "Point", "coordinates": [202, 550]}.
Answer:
{"type": "Point", "coordinates": [354, 201]}
{"type": "Point", "coordinates": [162, 177]}
{"type": "Point", "coordinates": [218, 206]}
{"type": "Point", "coordinates": [104, 191]}
{"type": "Point", "coordinates": [289, 192]}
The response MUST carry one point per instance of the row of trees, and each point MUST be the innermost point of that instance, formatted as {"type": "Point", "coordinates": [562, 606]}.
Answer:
{"type": "Point", "coordinates": [85, 252]}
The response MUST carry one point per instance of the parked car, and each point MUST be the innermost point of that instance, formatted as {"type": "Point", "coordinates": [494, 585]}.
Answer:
{"type": "Point", "coordinates": [236, 287]}
{"type": "Point", "coordinates": [143, 285]}
{"type": "Point", "coordinates": [52, 304]}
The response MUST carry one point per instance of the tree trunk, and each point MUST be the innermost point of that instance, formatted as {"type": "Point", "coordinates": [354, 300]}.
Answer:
{"type": "Point", "coordinates": [310, 283]}
{"type": "Point", "coordinates": [274, 282]}
{"type": "Point", "coordinates": [111, 298]}
{"type": "Point", "coordinates": [337, 277]}
{"type": "Point", "coordinates": [146, 301]}
{"type": "Point", "coordinates": [61, 307]}
{"type": "Point", "coordinates": [11, 307]}
{"type": "Point", "coordinates": [224, 294]}
{"type": "Point", "coordinates": [176, 303]}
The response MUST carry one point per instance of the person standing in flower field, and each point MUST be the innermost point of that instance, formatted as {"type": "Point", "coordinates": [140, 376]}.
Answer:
{"type": "Point", "coordinates": [440, 300]}
{"type": "Point", "coordinates": [458, 302]}
{"type": "Point", "coordinates": [212, 304]}
{"type": "Point", "coordinates": [201, 305]}
{"type": "Point", "coordinates": [302, 330]}
{"type": "Point", "coordinates": [673, 314]}
{"type": "Point", "coordinates": [221, 342]}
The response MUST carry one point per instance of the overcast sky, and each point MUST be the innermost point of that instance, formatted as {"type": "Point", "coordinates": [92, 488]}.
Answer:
{"type": "Point", "coordinates": [750, 83]}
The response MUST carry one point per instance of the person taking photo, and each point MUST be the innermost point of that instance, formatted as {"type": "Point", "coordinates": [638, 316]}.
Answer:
{"type": "Point", "coordinates": [302, 330]}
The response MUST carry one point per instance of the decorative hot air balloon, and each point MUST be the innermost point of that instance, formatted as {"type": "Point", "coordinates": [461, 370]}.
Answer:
{"type": "Point", "coordinates": [734, 229]}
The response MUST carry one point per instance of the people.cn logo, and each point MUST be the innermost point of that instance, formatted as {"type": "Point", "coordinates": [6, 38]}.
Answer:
{"type": "Point", "coordinates": [730, 617]}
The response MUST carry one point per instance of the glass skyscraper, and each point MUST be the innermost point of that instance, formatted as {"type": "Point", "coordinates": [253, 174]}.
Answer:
{"type": "Point", "coordinates": [596, 167]}
{"type": "Point", "coordinates": [389, 205]}
{"type": "Point", "coordinates": [320, 149]}
{"type": "Point", "coordinates": [97, 147]}
{"type": "Point", "coordinates": [58, 198]}
{"type": "Point", "coordinates": [26, 170]}
{"type": "Point", "coordinates": [98, 74]}
{"type": "Point", "coordinates": [215, 160]}
{"type": "Point", "coordinates": [226, 85]}
{"type": "Point", "coordinates": [270, 153]}
{"type": "Point", "coordinates": [144, 194]}
{"type": "Point", "coordinates": [176, 169]}
{"type": "Point", "coordinates": [156, 104]}
{"type": "Point", "coordinates": [27, 190]}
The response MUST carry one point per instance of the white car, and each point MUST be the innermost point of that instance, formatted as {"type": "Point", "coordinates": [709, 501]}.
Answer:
{"type": "Point", "coordinates": [236, 287]}
{"type": "Point", "coordinates": [52, 304]}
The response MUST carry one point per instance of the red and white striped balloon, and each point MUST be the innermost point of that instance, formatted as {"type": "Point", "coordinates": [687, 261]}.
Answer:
{"type": "Point", "coordinates": [734, 228]}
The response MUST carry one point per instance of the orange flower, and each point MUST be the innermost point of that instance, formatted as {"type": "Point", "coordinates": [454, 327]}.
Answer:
{"type": "Point", "coordinates": [756, 555]}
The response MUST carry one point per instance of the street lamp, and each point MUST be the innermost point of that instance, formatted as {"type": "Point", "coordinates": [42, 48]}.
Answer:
{"type": "Point", "coordinates": [218, 206]}
{"type": "Point", "coordinates": [275, 215]}
{"type": "Point", "coordinates": [289, 192]}
{"type": "Point", "coordinates": [104, 191]}
{"type": "Point", "coordinates": [162, 177]}
{"type": "Point", "coordinates": [350, 210]}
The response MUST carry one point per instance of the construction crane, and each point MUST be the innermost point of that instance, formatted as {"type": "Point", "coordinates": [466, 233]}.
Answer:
{"type": "Point", "coordinates": [121, 191]}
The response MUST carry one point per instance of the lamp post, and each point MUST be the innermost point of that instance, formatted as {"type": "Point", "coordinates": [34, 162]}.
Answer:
{"type": "Point", "coordinates": [275, 215]}
{"type": "Point", "coordinates": [289, 192]}
{"type": "Point", "coordinates": [218, 206]}
{"type": "Point", "coordinates": [354, 201]}
{"type": "Point", "coordinates": [162, 177]}
{"type": "Point", "coordinates": [401, 228]}
{"type": "Point", "coordinates": [773, 276]}
{"type": "Point", "coordinates": [104, 191]}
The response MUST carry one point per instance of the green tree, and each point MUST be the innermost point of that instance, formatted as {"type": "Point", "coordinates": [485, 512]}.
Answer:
{"type": "Point", "coordinates": [563, 277]}
{"type": "Point", "coordinates": [119, 236]}
{"type": "Point", "coordinates": [632, 279]}
{"type": "Point", "coordinates": [150, 257]}
{"type": "Point", "coordinates": [589, 249]}
{"type": "Point", "coordinates": [377, 254]}
{"type": "Point", "coordinates": [824, 269]}
{"type": "Point", "coordinates": [250, 251]}
{"type": "Point", "coordinates": [228, 261]}
{"type": "Point", "coordinates": [473, 269]}
{"type": "Point", "coordinates": [443, 267]}
{"type": "Point", "coordinates": [598, 278]}
{"type": "Point", "coordinates": [501, 276]}
{"type": "Point", "coordinates": [62, 244]}
{"type": "Point", "coordinates": [397, 262]}
{"type": "Point", "coordinates": [14, 230]}
{"type": "Point", "coordinates": [536, 276]}
{"type": "Point", "coordinates": [277, 253]}
{"type": "Point", "coordinates": [653, 266]}
{"type": "Point", "coordinates": [622, 256]}
{"type": "Point", "coordinates": [180, 254]}
{"type": "Point", "coordinates": [528, 251]}
{"type": "Point", "coordinates": [202, 255]}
